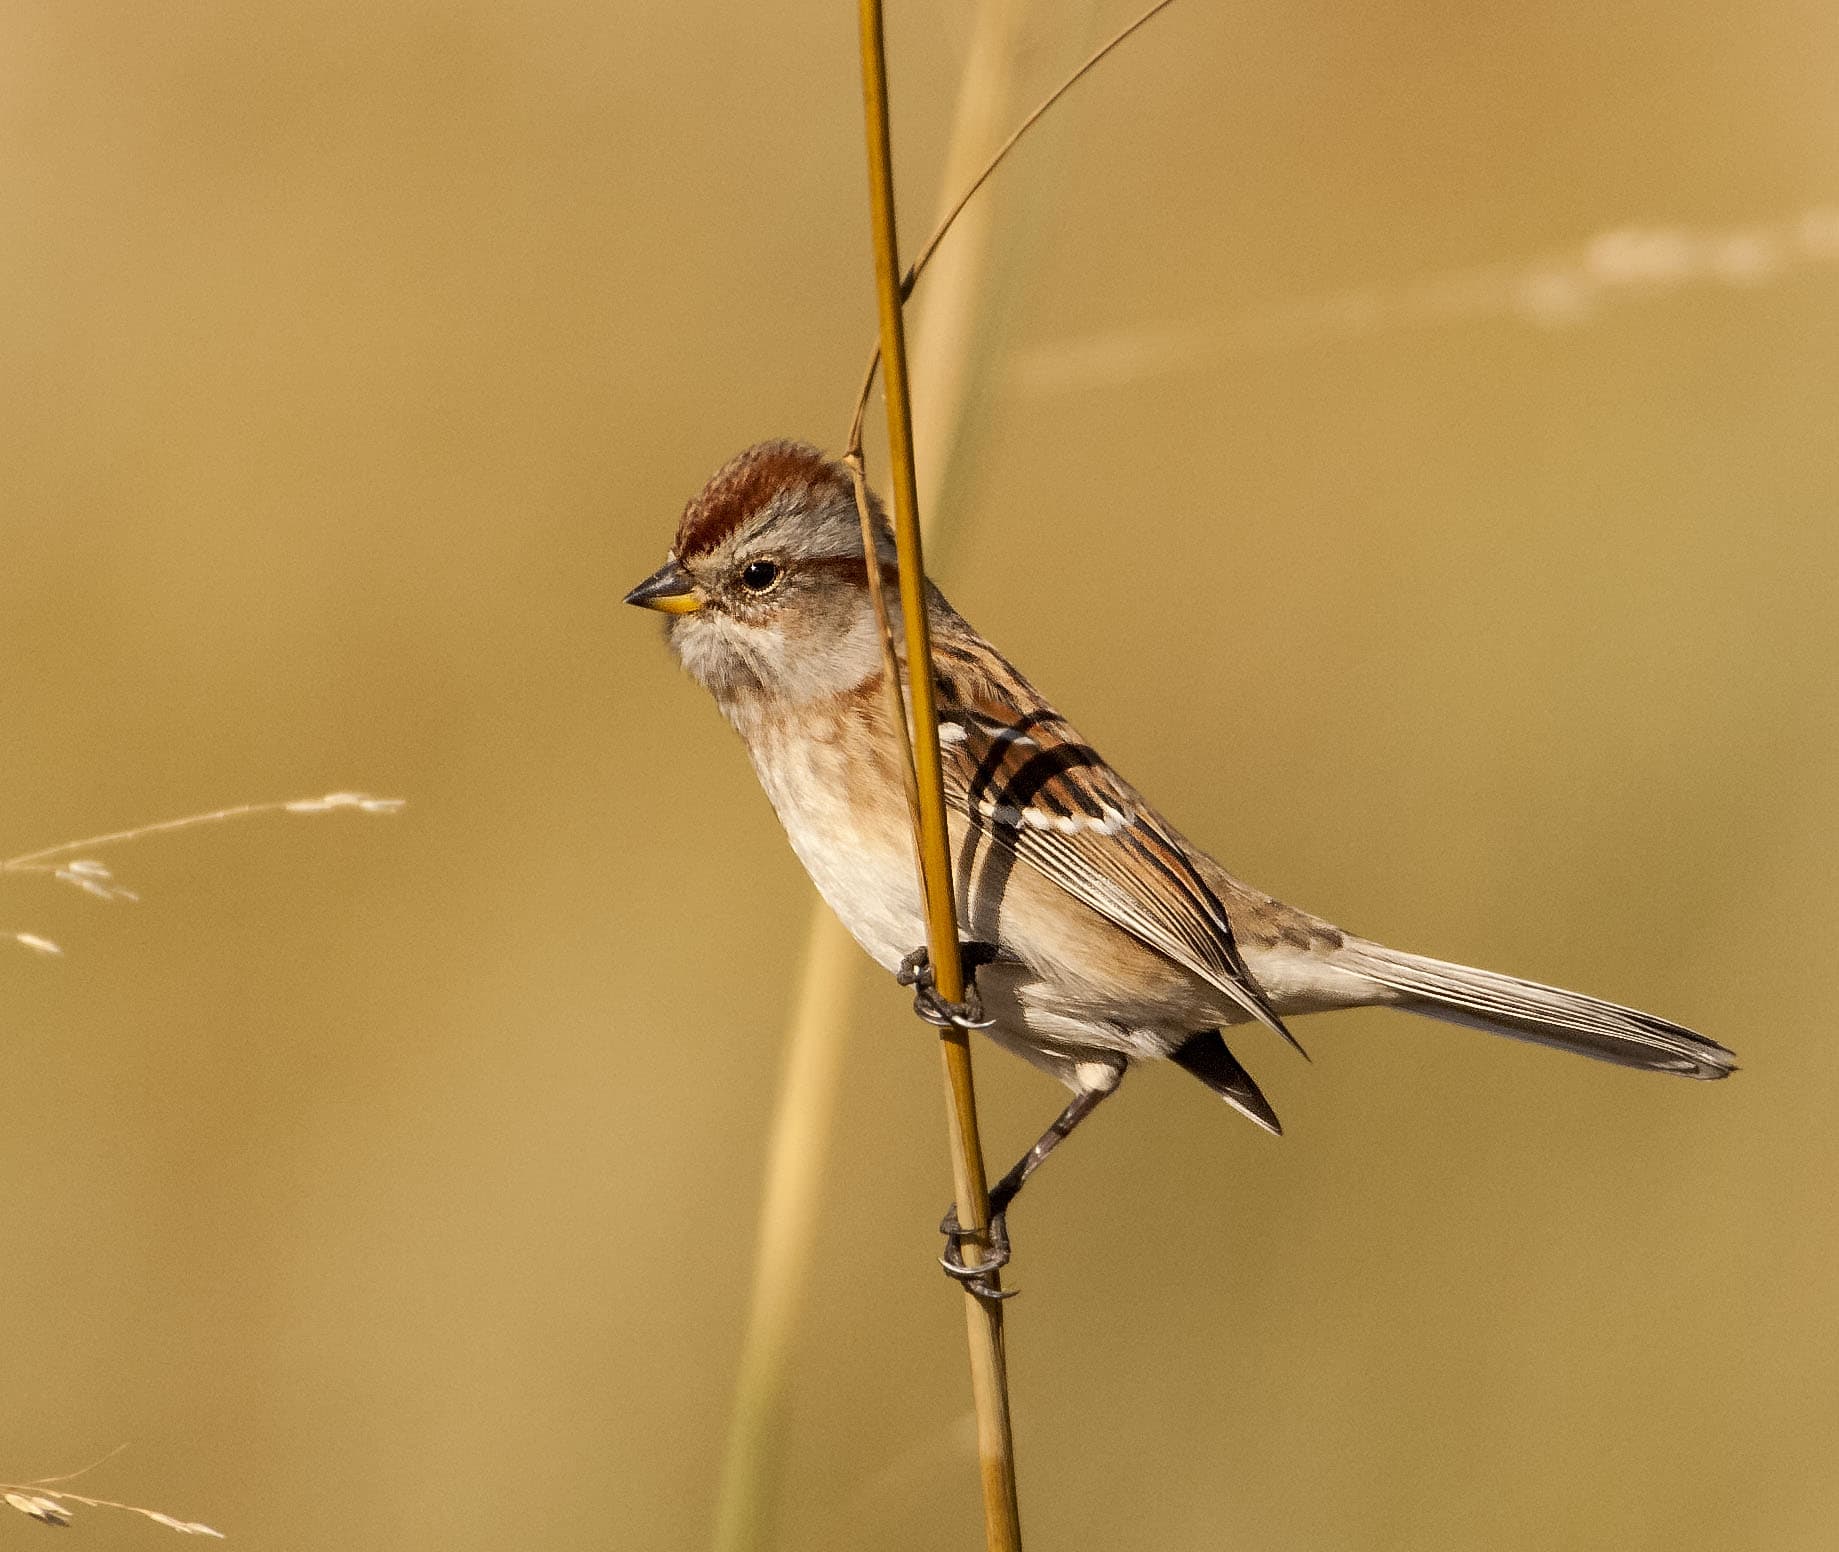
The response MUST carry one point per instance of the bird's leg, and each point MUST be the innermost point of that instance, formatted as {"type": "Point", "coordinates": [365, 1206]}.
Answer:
{"type": "Point", "coordinates": [916, 971]}
{"type": "Point", "coordinates": [995, 1237]}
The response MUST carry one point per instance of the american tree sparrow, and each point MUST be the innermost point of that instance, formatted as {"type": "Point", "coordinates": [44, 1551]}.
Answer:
{"type": "Point", "coordinates": [1101, 937]}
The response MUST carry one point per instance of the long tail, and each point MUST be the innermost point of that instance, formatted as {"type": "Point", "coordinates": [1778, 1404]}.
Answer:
{"type": "Point", "coordinates": [1547, 1015]}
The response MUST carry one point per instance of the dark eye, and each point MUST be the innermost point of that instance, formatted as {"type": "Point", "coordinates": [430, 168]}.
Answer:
{"type": "Point", "coordinates": [757, 576]}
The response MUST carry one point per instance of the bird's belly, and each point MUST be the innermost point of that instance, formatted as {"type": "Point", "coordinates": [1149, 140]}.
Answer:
{"type": "Point", "coordinates": [1073, 983]}
{"type": "Point", "coordinates": [862, 866]}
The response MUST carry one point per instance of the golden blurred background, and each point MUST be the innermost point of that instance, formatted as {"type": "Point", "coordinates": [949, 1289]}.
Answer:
{"type": "Point", "coordinates": [1459, 383]}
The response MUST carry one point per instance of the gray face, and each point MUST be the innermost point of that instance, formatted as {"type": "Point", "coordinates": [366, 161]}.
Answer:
{"type": "Point", "coordinates": [785, 609]}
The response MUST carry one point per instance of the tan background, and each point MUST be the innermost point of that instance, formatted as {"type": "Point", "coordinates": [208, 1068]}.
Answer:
{"type": "Point", "coordinates": [390, 1183]}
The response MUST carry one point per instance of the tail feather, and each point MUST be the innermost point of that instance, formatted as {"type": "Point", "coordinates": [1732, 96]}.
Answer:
{"type": "Point", "coordinates": [1205, 1055]}
{"type": "Point", "coordinates": [1546, 1015]}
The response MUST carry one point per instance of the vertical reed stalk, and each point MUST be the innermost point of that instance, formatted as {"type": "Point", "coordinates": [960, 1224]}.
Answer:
{"type": "Point", "coordinates": [802, 1121]}
{"type": "Point", "coordinates": [983, 1316]}
{"type": "Point", "coordinates": [959, 333]}
{"type": "Point", "coordinates": [805, 1106]}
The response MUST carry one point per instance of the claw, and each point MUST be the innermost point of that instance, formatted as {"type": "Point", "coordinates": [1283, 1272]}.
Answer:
{"type": "Point", "coordinates": [916, 971]}
{"type": "Point", "coordinates": [976, 1279]}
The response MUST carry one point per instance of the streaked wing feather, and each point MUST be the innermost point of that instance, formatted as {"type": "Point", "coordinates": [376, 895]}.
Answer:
{"type": "Point", "coordinates": [1032, 787]}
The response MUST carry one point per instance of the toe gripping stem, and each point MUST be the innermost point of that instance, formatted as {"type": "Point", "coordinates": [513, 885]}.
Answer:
{"type": "Point", "coordinates": [978, 1279]}
{"type": "Point", "coordinates": [916, 971]}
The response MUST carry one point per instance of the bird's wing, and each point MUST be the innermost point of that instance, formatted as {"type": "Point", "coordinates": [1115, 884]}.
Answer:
{"type": "Point", "coordinates": [1031, 787]}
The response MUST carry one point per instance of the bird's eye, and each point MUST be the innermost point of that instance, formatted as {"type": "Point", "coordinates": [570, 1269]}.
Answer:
{"type": "Point", "coordinates": [758, 576]}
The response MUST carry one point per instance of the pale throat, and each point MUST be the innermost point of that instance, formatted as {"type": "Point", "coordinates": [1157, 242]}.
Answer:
{"type": "Point", "coordinates": [762, 675]}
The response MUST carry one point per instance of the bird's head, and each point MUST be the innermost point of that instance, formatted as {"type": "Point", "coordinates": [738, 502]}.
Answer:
{"type": "Point", "coordinates": [764, 587]}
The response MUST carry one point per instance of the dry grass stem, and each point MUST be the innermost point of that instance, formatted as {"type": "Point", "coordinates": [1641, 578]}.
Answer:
{"type": "Point", "coordinates": [95, 878]}
{"type": "Point", "coordinates": [804, 1108]}
{"type": "Point", "coordinates": [931, 246]}
{"type": "Point", "coordinates": [1616, 267]}
{"type": "Point", "coordinates": [958, 332]}
{"type": "Point", "coordinates": [801, 1125]}
{"type": "Point", "coordinates": [984, 1316]}
{"type": "Point", "coordinates": [806, 1098]}
{"type": "Point", "coordinates": [46, 1501]}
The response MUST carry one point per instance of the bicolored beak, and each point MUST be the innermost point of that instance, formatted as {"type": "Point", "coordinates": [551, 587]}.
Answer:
{"type": "Point", "coordinates": [668, 589]}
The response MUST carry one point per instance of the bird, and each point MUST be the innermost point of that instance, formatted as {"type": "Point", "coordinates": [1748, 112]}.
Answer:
{"type": "Point", "coordinates": [1096, 936]}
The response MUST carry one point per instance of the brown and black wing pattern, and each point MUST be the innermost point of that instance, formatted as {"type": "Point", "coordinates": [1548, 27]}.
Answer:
{"type": "Point", "coordinates": [1035, 791]}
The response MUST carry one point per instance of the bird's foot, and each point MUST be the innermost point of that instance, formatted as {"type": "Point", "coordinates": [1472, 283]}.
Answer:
{"type": "Point", "coordinates": [978, 1278]}
{"type": "Point", "coordinates": [916, 971]}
